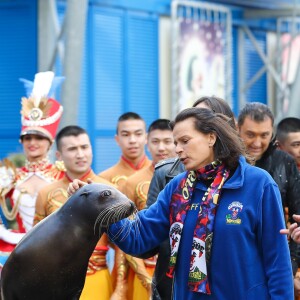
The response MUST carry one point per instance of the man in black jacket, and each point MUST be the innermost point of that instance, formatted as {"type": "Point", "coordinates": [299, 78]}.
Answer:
{"type": "Point", "coordinates": [255, 126]}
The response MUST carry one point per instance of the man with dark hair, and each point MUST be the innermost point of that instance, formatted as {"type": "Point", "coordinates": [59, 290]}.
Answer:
{"type": "Point", "coordinates": [255, 126]}
{"type": "Point", "coordinates": [74, 149]}
{"type": "Point", "coordinates": [71, 130]}
{"type": "Point", "coordinates": [131, 138]}
{"type": "Point", "coordinates": [288, 137]}
{"type": "Point", "coordinates": [161, 146]}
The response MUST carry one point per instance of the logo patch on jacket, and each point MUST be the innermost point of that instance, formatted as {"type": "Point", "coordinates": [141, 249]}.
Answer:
{"type": "Point", "coordinates": [234, 210]}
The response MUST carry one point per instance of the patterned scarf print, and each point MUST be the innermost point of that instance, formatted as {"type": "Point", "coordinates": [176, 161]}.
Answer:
{"type": "Point", "coordinates": [203, 232]}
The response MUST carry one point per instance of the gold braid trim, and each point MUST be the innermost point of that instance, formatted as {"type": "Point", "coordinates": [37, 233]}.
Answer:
{"type": "Point", "coordinates": [138, 267]}
{"type": "Point", "coordinates": [141, 195]}
{"type": "Point", "coordinates": [52, 203]}
{"type": "Point", "coordinates": [11, 214]}
{"type": "Point", "coordinates": [38, 218]}
{"type": "Point", "coordinates": [97, 262]}
{"type": "Point", "coordinates": [121, 265]}
{"type": "Point", "coordinates": [115, 180]}
{"type": "Point", "coordinates": [7, 182]}
{"type": "Point", "coordinates": [122, 269]}
{"type": "Point", "coordinates": [57, 192]}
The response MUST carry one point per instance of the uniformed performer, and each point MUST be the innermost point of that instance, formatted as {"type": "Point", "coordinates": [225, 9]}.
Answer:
{"type": "Point", "coordinates": [75, 150]}
{"type": "Point", "coordinates": [131, 138]}
{"type": "Point", "coordinates": [40, 117]}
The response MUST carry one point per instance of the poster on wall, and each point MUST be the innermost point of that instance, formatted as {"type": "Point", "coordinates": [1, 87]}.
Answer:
{"type": "Point", "coordinates": [201, 61]}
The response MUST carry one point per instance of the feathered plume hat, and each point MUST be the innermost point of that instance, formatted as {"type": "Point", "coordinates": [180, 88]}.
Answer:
{"type": "Point", "coordinates": [41, 114]}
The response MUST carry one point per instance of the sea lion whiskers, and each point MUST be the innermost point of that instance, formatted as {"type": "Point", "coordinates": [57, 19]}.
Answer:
{"type": "Point", "coordinates": [121, 230]}
{"type": "Point", "coordinates": [136, 224]}
{"type": "Point", "coordinates": [110, 214]}
{"type": "Point", "coordinates": [103, 218]}
{"type": "Point", "coordinates": [127, 230]}
{"type": "Point", "coordinates": [115, 236]}
{"type": "Point", "coordinates": [131, 217]}
{"type": "Point", "coordinates": [103, 215]}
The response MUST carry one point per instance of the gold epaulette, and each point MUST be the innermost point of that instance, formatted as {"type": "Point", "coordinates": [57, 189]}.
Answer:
{"type": "Point", "coordinates": [58, 170]}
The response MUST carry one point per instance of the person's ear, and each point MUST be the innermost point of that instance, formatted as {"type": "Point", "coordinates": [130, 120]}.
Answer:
{"type": "Point", "coordinates": [278, 144]}
{"type": "Point", "coordinates": [117, 139]}
{"type": "Point", "coordinates": [212, 139]}
{"type": "Point", "coordinates": [58, 155]}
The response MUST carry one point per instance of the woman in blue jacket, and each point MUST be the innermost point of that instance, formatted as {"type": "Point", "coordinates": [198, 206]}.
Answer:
{"type": "Point", "coordinates": [222, 215]}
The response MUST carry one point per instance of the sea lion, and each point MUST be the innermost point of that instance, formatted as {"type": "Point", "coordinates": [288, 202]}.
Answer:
{"type": "Point", "coordinates": [50, 262]}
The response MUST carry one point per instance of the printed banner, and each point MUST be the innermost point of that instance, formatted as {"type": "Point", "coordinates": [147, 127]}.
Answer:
{"type": "Point", "coordinates": [201, 61]}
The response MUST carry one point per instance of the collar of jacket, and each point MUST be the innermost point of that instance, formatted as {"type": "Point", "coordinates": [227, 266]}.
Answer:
{"type": "Point", "coordinates": [236, 180]}
{"type": "Point", "coordinates": [272, 147]}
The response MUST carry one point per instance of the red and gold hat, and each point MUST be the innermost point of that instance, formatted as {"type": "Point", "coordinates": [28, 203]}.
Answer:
{"type": "Point", "coordinates": [41, 115]}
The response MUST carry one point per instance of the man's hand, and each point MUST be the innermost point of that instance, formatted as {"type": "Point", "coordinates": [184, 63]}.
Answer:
{"type": "Point", "coordinates": [294, 230]}
{"type": "Point", "coordinates": [75, 185]}
{"type": "Point", "coordinates": [297, 285]}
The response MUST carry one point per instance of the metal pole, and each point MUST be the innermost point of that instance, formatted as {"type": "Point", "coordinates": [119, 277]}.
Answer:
{"type": "Point", "coordinates": [75, 24]}
{"type": "Point", "coordinates": [228, 57]}
{"type": "Point", "coordinates": [46, 35]}
{"type": "Point", "coordinates": [241, 69]}
{"type": "Point", "coordinates": [174, 74]}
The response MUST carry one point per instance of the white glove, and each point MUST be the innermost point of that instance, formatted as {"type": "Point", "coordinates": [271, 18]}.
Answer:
{"type": "Point", "coordinates": [9, 236]}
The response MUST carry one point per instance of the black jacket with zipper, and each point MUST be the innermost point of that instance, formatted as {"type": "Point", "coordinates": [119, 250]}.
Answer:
{"type": "Point", "coordinates": [283, 169]}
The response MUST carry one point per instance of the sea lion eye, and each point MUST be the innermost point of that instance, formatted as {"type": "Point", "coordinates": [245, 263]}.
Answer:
{"type": "Point", "coordinates": [106, 193]}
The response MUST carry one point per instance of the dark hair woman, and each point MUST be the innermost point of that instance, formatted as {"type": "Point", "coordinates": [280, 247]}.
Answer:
{"type": "Point", "coordinates": [222, 215]}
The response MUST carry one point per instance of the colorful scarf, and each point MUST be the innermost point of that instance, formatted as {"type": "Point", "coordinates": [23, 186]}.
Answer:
{"type": "Point", "coordinates": [203, 232]}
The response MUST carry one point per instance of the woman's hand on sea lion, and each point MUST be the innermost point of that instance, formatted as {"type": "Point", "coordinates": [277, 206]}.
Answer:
{"type": "Point", "coordinates": [75, 185]}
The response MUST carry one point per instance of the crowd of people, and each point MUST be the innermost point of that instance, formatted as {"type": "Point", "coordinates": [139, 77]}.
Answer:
{"type": "Point", "coordinates": [217, 200]}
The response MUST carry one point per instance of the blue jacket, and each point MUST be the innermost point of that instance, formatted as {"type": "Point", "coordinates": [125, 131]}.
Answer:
{"type": "Point", "coordinates": [250, 259]}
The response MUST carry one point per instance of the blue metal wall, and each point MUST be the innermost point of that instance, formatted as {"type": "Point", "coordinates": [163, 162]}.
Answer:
{"type": "Point", "coordinates": [120, 74]}
{"type": "Point", "coordinates": [120, 71]}
{"type": "Point", "coordinates": [258, 92]}
{"type": "Point", "coordinates": [251, 64]}
{"type": "Point", "coordinates": [120, 67]}
{"type": "Point", "coordinates": [18, 58]}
